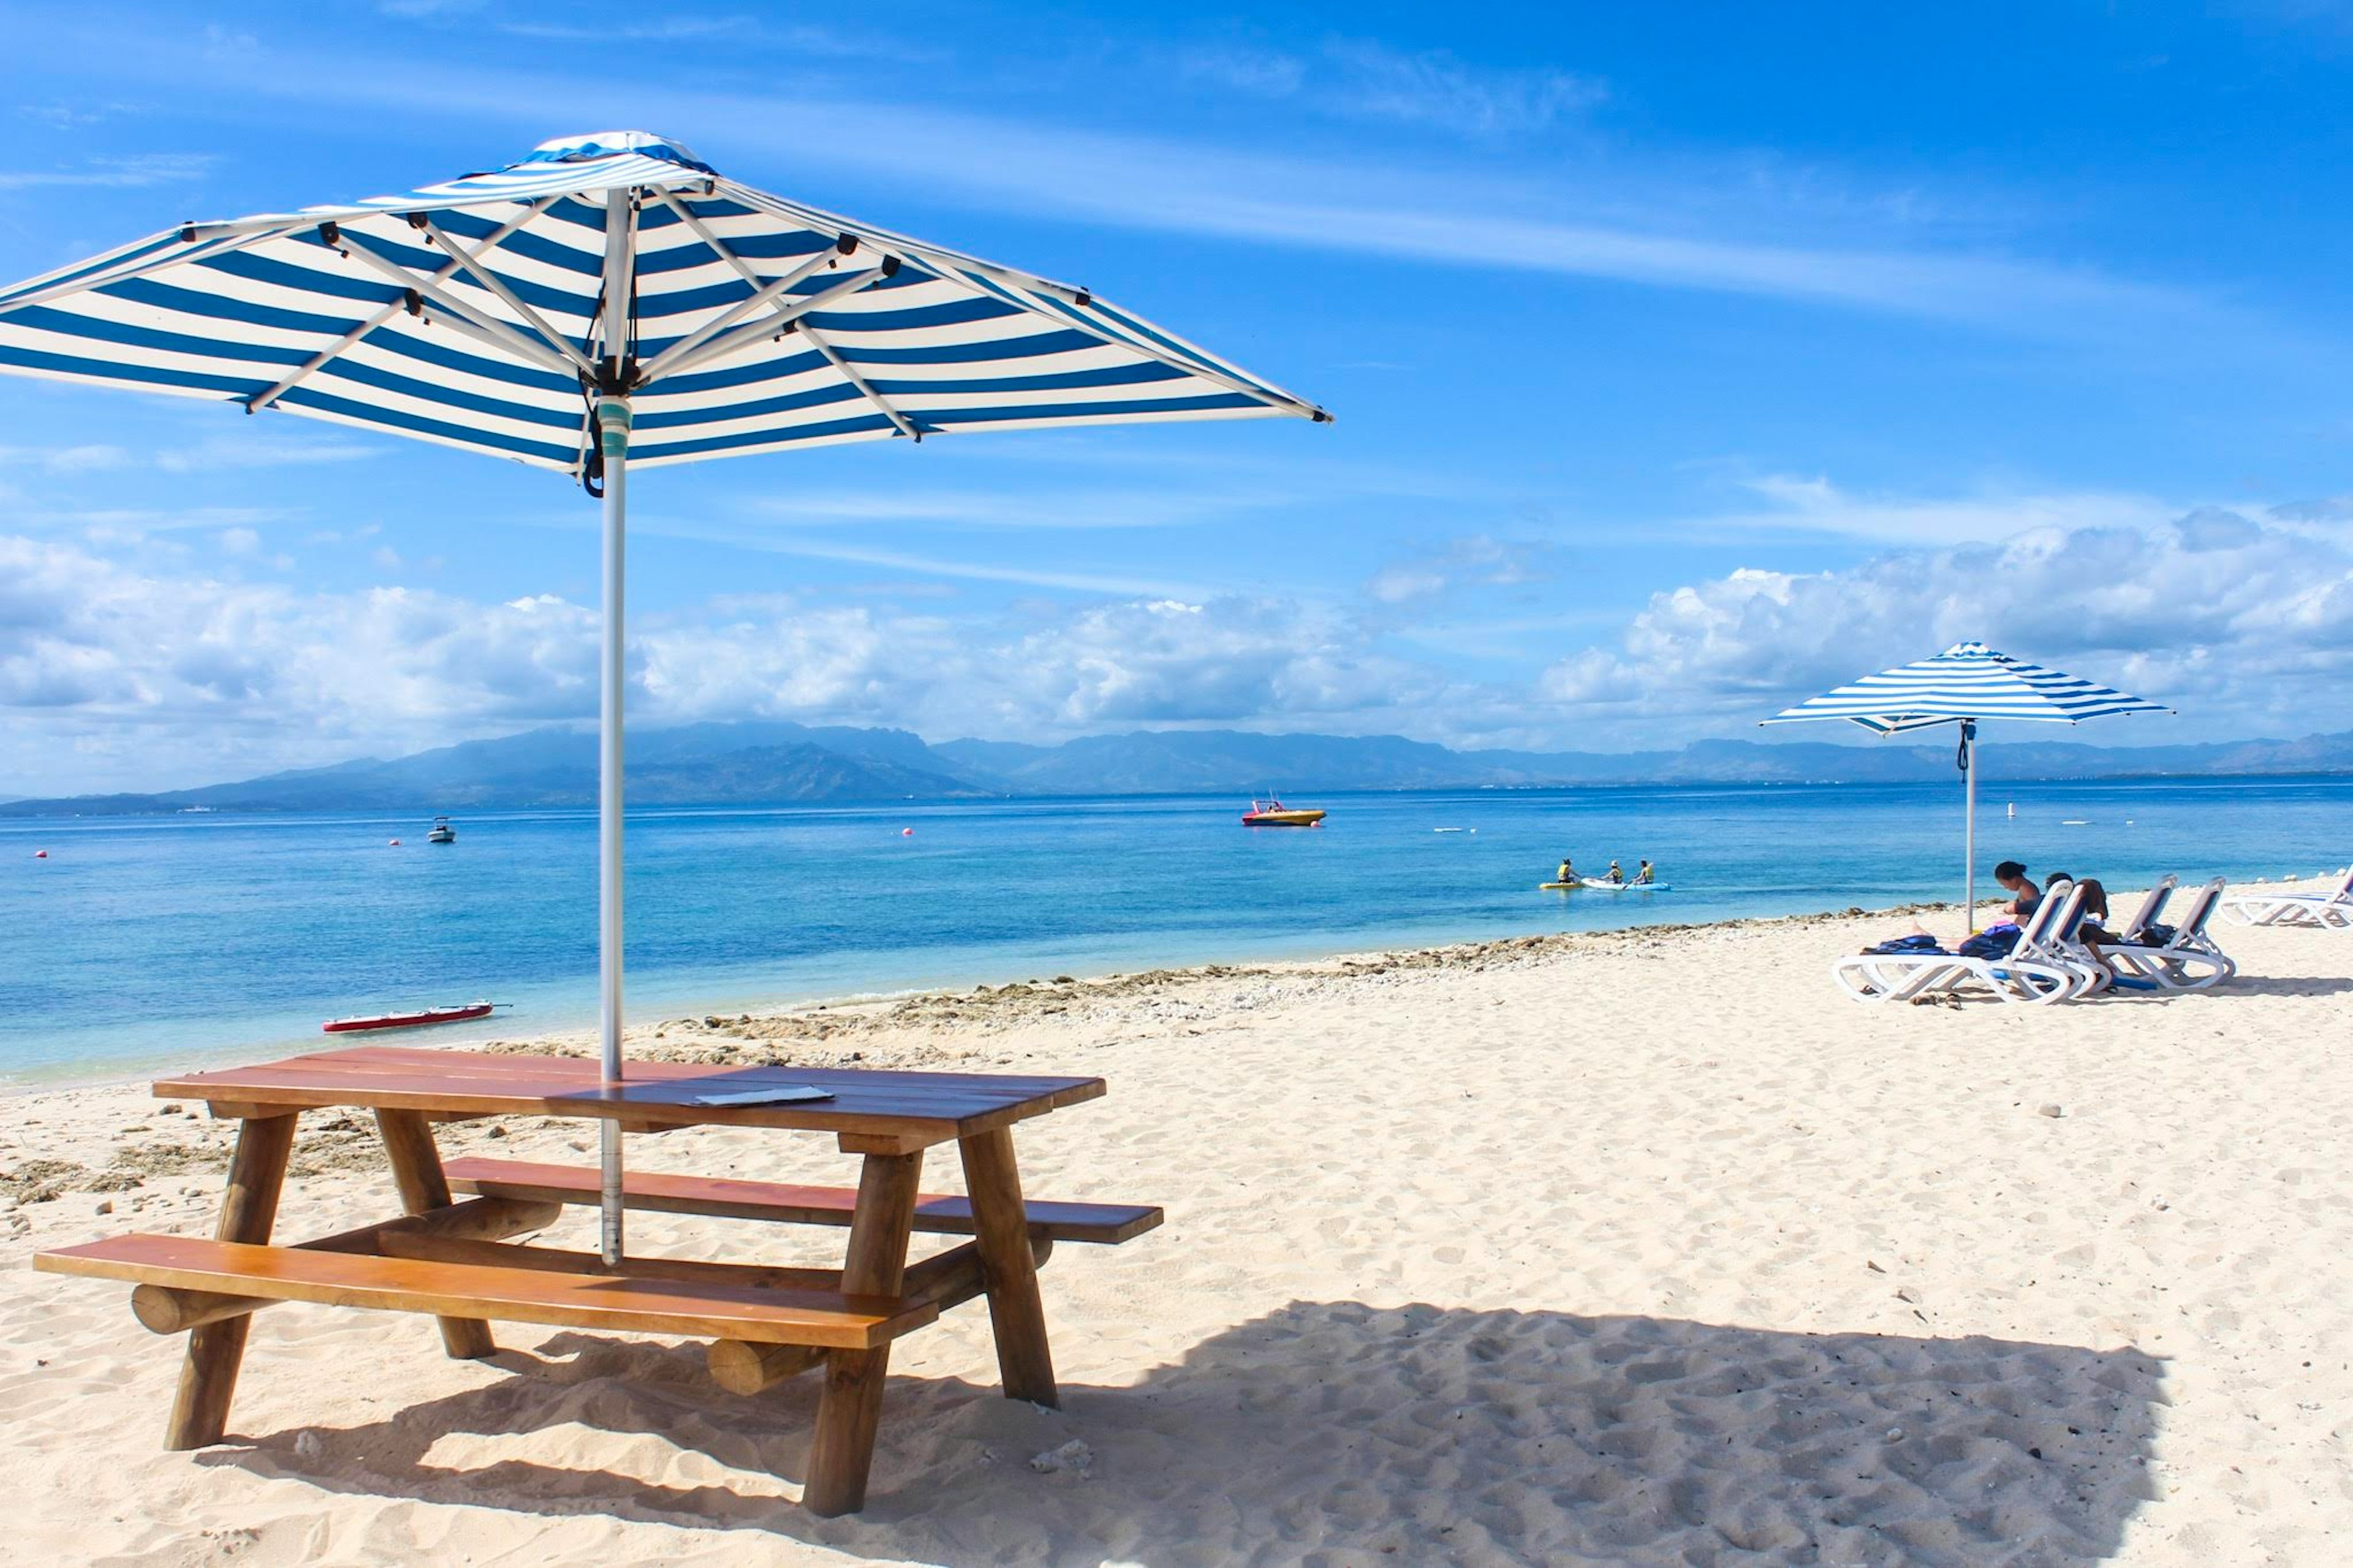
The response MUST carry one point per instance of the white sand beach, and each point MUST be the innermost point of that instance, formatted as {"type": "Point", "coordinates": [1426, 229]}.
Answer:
{"type": "Point", "coordinates": [1642, 1247]}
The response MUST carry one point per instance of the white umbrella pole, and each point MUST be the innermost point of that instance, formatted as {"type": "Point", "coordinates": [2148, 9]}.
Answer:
{"type": "Point", "coordinates": [613, 445]}
{"type": "Point", "coordinates": [1969, 833]}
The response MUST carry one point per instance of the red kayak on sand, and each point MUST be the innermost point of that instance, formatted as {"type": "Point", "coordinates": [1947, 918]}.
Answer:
{"type": "Point", "coordinates": [451, 1015]}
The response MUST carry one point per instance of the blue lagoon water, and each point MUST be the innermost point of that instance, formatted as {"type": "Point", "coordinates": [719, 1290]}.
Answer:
{"type": "Point", "coordinates": [177, 940]}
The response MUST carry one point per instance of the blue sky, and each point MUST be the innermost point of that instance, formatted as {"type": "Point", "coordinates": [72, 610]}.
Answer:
{"type": "Point", "coordinates": [1685, 359]}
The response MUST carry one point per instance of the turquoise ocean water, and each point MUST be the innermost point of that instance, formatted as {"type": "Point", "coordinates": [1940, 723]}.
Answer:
{"type": "Point", "coordinates": [150, 942]}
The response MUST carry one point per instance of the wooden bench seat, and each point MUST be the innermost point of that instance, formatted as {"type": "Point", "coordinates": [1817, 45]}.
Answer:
{"type": "Point", "coordinates": [692, 1309]}
{"type": "Point", "coordinates": [944, 1214]}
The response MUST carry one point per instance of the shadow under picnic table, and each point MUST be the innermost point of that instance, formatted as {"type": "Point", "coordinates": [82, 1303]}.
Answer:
{"type": "Point", "coordinates": [1341, 1432]}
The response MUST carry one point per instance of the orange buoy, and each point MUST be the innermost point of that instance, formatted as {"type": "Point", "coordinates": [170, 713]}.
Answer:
{"type": "Point", "coordinates": [906, 833]}
{"type": "Point", "coordinates": [40, 854]}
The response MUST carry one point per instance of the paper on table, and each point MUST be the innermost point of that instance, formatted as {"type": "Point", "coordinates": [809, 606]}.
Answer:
{"type": "Point", "coordinates": [782, 1094]}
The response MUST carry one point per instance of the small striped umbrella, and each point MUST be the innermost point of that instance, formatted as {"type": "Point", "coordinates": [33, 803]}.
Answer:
{"type": "Point", "coordinates": [609, 301]}
{"type": "Point", "coordinates": [1964, 684]}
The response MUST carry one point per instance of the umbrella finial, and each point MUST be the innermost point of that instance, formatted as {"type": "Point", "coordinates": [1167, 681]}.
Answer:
{"type": "Point", "coordinates": [590, 145]}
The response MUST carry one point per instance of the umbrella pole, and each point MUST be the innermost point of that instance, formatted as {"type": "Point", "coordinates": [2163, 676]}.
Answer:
{"type": "Point", "coordinates": [1969, 832]}
{"type": "Point", "coordinates": [612, 433]}
{"type": "Point", "coordinates": [613, 445]}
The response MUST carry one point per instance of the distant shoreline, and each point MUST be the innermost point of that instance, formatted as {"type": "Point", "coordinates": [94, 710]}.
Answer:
{"type": "Point", "coordinates": [10, 814]}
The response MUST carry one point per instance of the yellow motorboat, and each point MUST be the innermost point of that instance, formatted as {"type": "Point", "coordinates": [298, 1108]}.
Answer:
{"type": "Point", "coordinates": [1274, 813]}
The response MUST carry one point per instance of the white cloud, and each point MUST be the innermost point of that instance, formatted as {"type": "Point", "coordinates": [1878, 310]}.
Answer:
{"type": "Point", "coordinates": [1670, 227]}
{"type": "Point", "coordinates": [1433, 88]}
{"type": "Point", "coordinates": [1800, 505]}
{"type": "Point", "coordinates": [143, 169]}
{"type": "Point", "coordinates": [1364, 80]}
{"type": "Point", "coordinates": [133, 666]}
{"type": "Point", "coordinates": [2215, 614]}
{"type": "Point", "coordinates": [139, 671]}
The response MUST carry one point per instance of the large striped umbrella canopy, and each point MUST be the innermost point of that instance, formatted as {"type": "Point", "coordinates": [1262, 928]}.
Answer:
{"type": "Point", "coordinates": [609, 300]}
{"type": "Point", "coordinates": [1965, 683]}
{"type": "Point", "coordinates": [472, 313]}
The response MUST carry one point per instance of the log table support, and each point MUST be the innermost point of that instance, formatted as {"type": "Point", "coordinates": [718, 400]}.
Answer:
{"type": "Point", "coordinates": [249, 1207]}
{"type": "Point", "coordinates": [417, 1168]}
{"type": "Point", "coordinates": [851, 1406]}
{"type": "Point", "coordinates": [1010, 1269]}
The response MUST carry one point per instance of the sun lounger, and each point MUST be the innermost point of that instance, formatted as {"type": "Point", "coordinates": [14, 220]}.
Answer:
{"type": "Point", "coordinates": [2331, 909]}
{"type": "Point", "coordinates": [2027, 975]}
{"type": "Point", "coordinates": [2060, 943]}
{"type": "Point", "coordinates": [2068, 946]}
{"type": "Point", "coordinates": [2152, 906]}
{"type": "Point", "coordinates": [2188, 959]}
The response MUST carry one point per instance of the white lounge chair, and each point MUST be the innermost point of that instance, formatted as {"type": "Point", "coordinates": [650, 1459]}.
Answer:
{"type": "Point", "coordinates": [2152, 906]}
{"type": "Point", "coordinates": [2060, 945]}
{"type": "Point", "coordinates": [2188, 959]}
{"type": "Point", "coordinates": [2331, 909]}
{"type": "Point", "coordinates": [2102, 974]}
{"type": "Point", "coordinates": [1901, 977]}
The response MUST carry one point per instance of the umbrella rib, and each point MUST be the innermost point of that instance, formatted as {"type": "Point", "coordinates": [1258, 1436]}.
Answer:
{"type": "Point", "coordinates": [90, 282]}
{"type": "Point", "coordinates": [906, 426]}
{"type": "Point", "coordinates": [661, 363]}
{"type": "Point", "coordinates": [482, 274]}
{"type": "Point", "coordinates": [505, 336]}
{"type": "Point", "coordinates": [776, 325]}
{"type": "Point", "coordinates": [318, 361]}
{"type": "Point", "coordinates": [693, 220]}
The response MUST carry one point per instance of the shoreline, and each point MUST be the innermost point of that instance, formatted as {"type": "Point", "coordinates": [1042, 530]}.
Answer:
{"type": "Point", "coordinates": [923, 1004]}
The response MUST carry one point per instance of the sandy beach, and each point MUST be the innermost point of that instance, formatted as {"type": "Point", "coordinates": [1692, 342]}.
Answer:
{"type": "Point", "coordinates": [1644, 1247]}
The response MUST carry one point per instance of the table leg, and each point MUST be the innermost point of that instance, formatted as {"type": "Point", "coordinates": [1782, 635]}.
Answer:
{"type": "Point", "coordinates": [417, 1168]}
{"type": "Point", "coordinates": [852, 1405]}
{"type": "Point", "coordinates": [256, 1173]}
{"type": "Point", "coordinates": [1001, 1226]}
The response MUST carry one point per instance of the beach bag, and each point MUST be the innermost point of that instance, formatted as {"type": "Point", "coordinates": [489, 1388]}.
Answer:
{"type": "Point", "coordinates": [1915, 942]}
{"type": "Point", "coordinates": [2157, 934]}
{"type": "Point", "coordinates": [1994, 941]}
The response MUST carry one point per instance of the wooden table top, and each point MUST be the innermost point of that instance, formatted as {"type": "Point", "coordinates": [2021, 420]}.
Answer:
{"type": "Point", "coordinates": [925, 1106]}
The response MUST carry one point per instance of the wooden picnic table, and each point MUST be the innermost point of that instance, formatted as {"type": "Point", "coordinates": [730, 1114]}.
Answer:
{"type": "Point", "coordinates": [460, 1261]}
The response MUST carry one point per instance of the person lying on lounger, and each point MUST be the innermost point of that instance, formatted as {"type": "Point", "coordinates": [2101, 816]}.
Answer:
{"type": "Point", "coordinates": [2091, 930]}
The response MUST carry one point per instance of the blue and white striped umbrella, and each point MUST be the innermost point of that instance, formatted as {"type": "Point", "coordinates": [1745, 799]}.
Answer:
{"type": "Point", "coordinates": [1965, 683]}
{"type": "Point", "coordinates": [470, 314]}
{"type": "Point", "coordinates": [609, 300]}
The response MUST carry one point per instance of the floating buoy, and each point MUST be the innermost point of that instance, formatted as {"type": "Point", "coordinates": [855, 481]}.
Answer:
{"type": "Point", "coordinates": [396, 843]}
{"type": "Point", "coordinates": [40, 854]}
{"type": "Point", "coordinates": [906, 833]}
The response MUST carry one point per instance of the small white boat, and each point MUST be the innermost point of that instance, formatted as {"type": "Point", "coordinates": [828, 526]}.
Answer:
{"type": "Point", "coordinates": [442, 832]}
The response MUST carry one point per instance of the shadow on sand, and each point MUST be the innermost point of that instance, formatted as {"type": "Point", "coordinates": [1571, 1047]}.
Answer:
{"type": "Point", "coordinates": [1334, 1432]}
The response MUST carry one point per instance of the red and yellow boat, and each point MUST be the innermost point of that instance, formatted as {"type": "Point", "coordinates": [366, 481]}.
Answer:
{"type": "Point", "coordinates": [1274, 813]}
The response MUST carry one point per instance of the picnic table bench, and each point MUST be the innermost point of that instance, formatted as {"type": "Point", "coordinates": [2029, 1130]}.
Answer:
{"type": "Point", "coordinates": [458, 1258]}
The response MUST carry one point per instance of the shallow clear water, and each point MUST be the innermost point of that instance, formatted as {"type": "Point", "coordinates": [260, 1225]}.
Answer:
{"type": "Point", "coordinates": [181, 939]}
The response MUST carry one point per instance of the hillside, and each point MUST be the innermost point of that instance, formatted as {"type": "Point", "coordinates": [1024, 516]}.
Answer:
{"type": "Point", "coordinates": [776, 763]}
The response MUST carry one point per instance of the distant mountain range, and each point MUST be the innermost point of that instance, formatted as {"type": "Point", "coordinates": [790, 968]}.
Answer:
{"type": "Point", "coordinates": [776, 763]}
